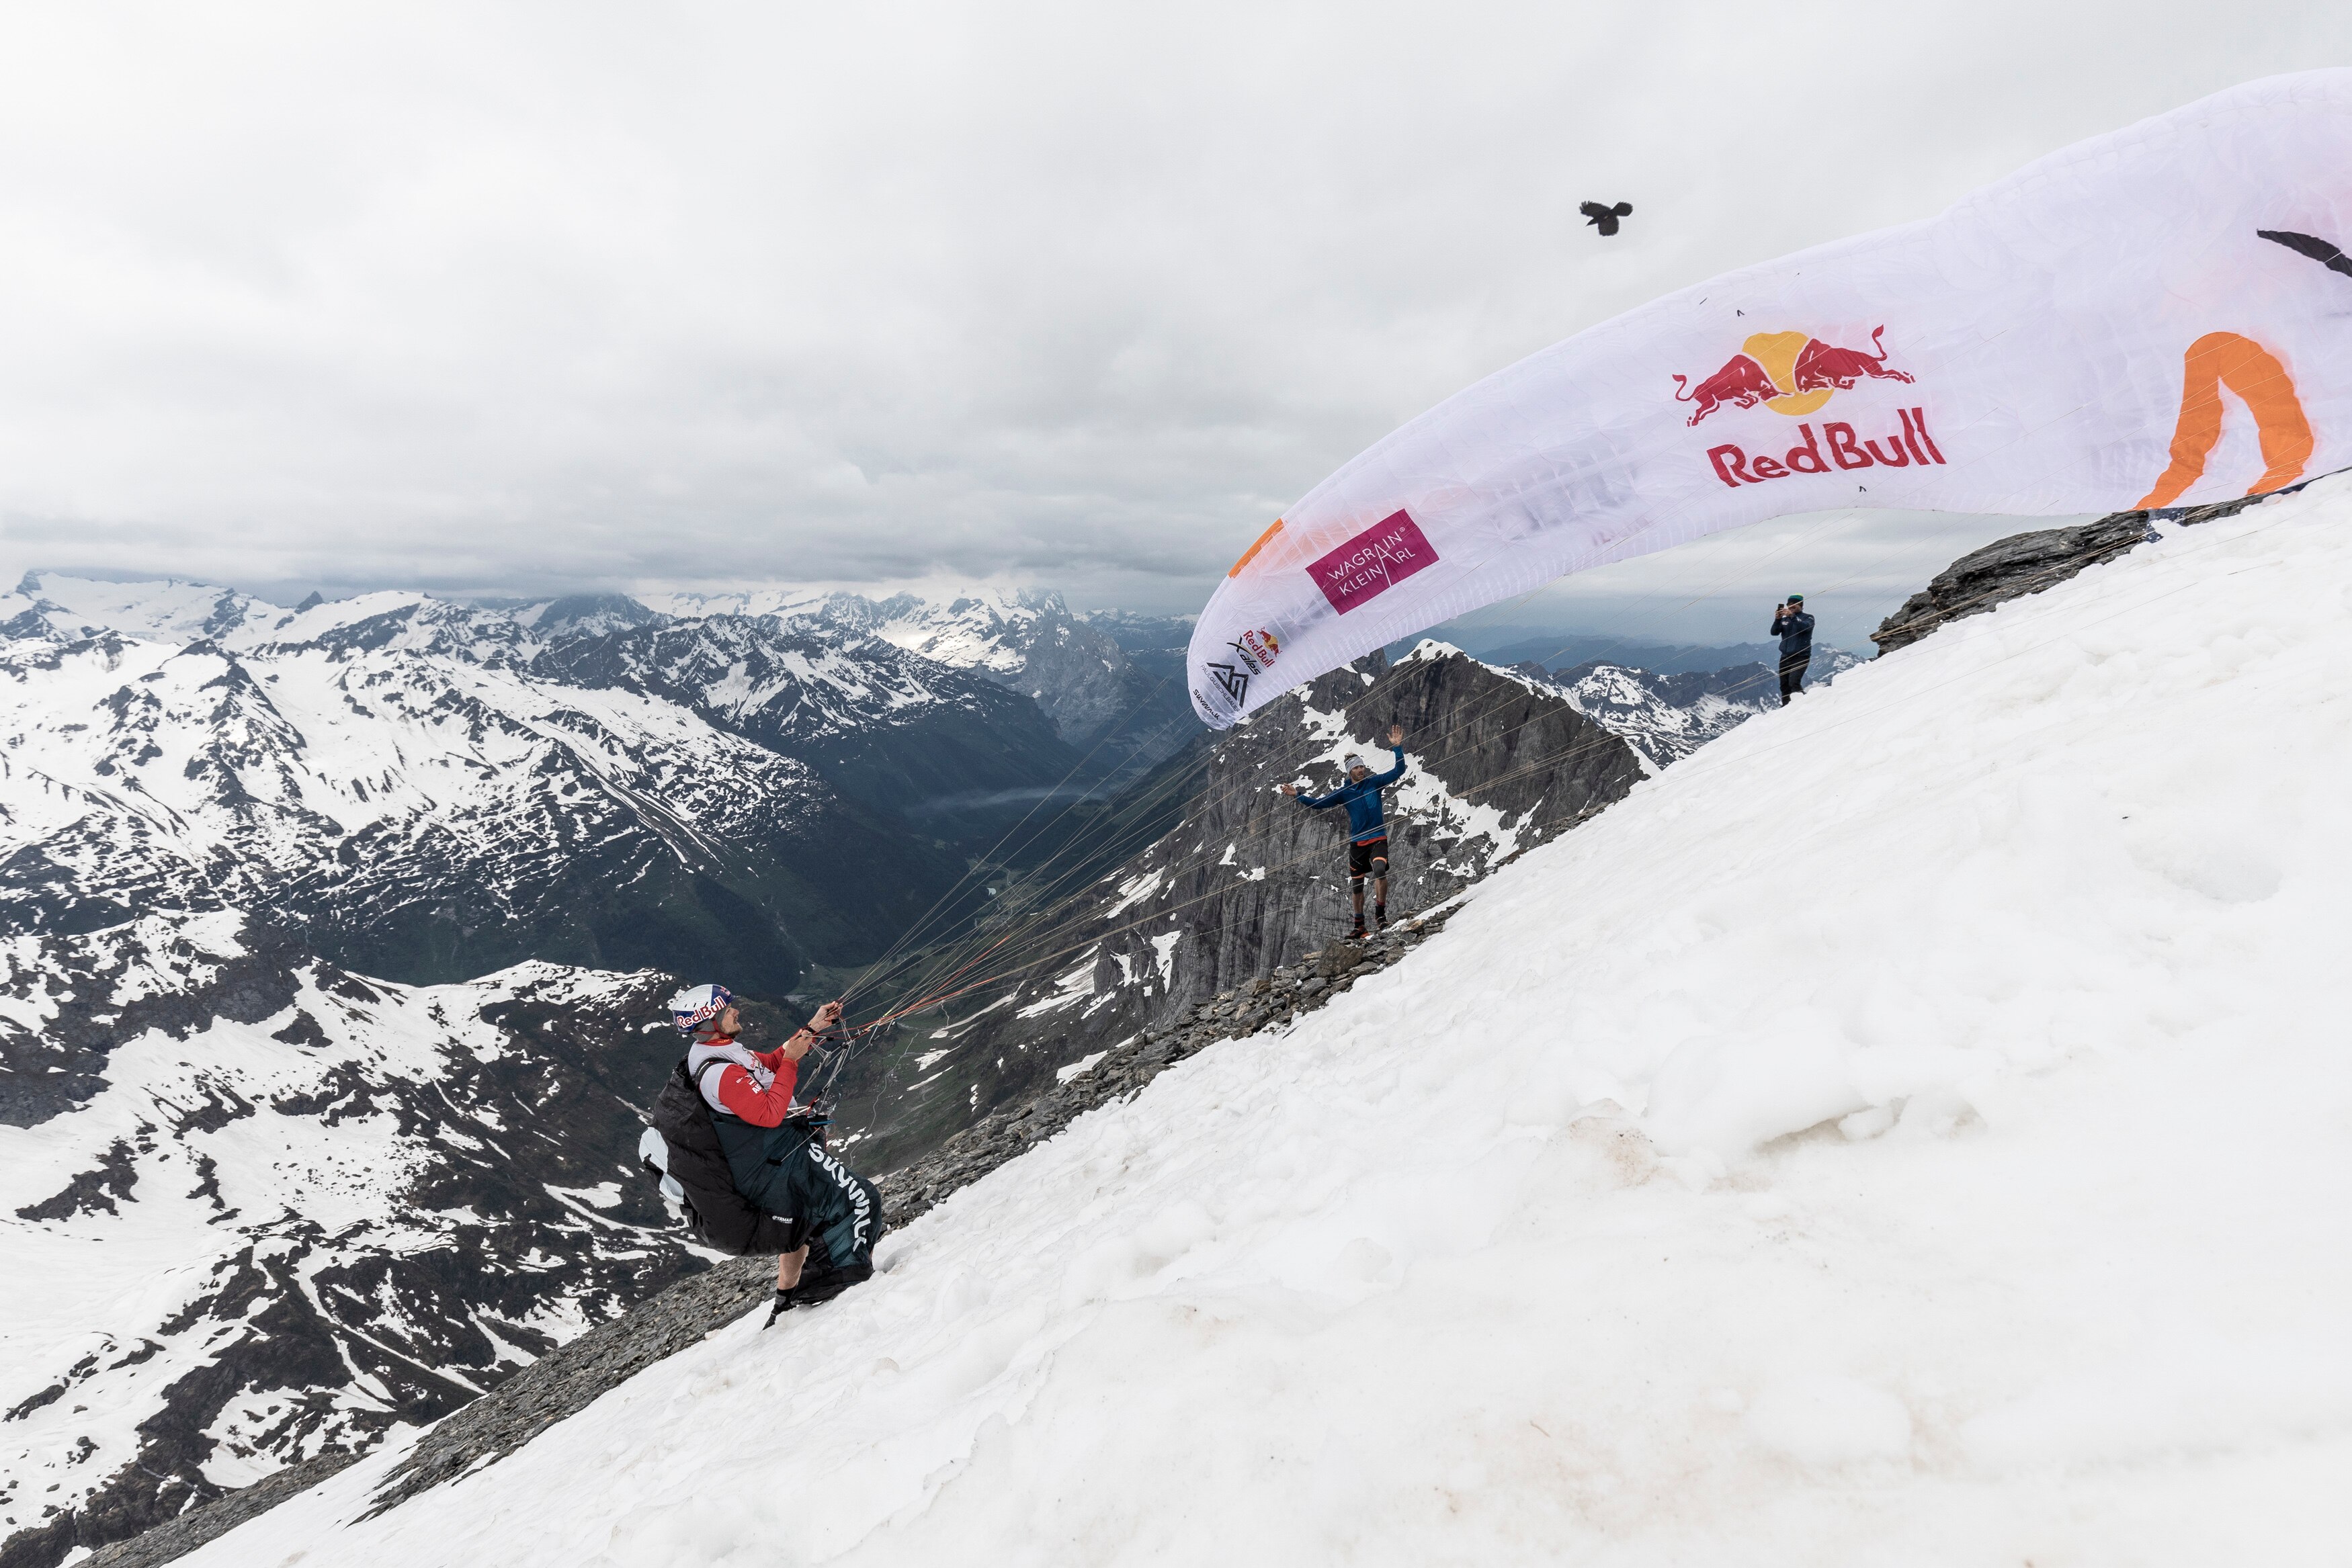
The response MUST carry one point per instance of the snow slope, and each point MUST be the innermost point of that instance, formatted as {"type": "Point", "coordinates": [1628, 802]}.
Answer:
{"type": "Point", "coordinates": [1913, 1130]}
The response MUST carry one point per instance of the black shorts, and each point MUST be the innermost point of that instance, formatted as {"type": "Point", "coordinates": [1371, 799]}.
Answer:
{"type": "Point", "coordinates": [1361, 857]}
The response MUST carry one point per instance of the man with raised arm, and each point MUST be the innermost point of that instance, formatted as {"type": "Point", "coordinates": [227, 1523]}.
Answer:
{"type": "Point", "coordinates": [1367, 830]}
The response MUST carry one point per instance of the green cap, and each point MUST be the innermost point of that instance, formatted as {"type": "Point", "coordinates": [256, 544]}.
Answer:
{"type": "Point", "coordinates": [1796, 599]}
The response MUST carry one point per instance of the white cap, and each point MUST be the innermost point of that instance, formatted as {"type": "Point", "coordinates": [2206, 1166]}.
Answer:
{"type": "Point", "coordinates": [1355, 761]}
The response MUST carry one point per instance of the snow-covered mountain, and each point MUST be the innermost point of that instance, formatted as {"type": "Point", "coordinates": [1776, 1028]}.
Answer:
{"type": "Point", "coordinates": [1099, 696]}
{"type": "Point", "coordinates": [1910, 1130]}
{"type": "Point", "coordinates": [1668, 717]}
{"type": "Point", "coordinates": [432, 790]}
{"type": "Point", "coordinates": [254, 1206]}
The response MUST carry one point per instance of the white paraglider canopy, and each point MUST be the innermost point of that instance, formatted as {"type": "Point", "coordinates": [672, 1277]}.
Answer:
{"type": "Point", "coordinates": [2161, 316]}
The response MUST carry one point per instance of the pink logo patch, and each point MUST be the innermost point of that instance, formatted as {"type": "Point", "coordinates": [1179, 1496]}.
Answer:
{"type": "Point", "coordinates": [1372, 563]}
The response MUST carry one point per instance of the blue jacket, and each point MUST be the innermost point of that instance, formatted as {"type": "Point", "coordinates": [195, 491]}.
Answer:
{"type": "Point", "coordinates": [1362, 800]}
{"type": "Point", "coordinates": [1796, 633]}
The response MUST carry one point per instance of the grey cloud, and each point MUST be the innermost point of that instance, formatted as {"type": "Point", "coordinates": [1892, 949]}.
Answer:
{"type": "Point", "coordinates": [563, 299]}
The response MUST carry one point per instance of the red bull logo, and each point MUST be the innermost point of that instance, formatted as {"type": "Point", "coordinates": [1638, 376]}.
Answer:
{"type": "Point", "coordinates": [1256, 650]}
{"type": "Point", "coordinates": [1837, 445]}
{"type": "Point", "coordinates": [1253, 654]}
{"type": "Point", "coordinates": [1788, 373]}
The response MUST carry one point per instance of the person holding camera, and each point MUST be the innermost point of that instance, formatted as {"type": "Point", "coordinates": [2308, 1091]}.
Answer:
{"type": "Point", "coordinates": [1795, 630]}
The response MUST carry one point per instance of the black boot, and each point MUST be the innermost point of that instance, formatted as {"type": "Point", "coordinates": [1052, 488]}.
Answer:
{"type": "Point", "coordinates": [1380, 916]}
{"type": "Point", "coordinates": [822, 1283]}
{"type": "Point", "coordinates": [784, 1303]}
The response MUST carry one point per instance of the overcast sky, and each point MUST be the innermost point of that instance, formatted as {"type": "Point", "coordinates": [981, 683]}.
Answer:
{"type": "Point", "coordinates": [517, 298]}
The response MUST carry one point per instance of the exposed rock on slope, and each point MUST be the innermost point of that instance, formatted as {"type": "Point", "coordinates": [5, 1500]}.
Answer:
{"type": "Point", "coordinates": [2030, 562]}
{"type": "Point", "coordinates": [2008, 568]}
{"type": "Point", "coordinates": [1246, 884]}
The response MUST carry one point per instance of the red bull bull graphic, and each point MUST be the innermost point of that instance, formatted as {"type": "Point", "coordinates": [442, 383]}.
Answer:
{"type": "Point", "coordinates": [1839, 443]}
{"type": "Point", "coordinates": [1256, 649]}
{"type": "Point", "coordinates": [1789, 372]}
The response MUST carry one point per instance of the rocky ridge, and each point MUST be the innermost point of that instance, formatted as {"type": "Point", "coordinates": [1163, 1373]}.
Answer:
{"type": "Point", "coordinates": [2030, 562]}
{"type": "Point", "coordinates": [1242, 885]}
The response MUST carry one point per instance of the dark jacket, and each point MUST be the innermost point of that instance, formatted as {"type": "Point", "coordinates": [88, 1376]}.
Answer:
{"type": "Point", "coordinates": [722, 1217]}
{"type": "Point", "coordinates": [1362, 800]}
{"type": "Point", "coordinates": [1796, 634]}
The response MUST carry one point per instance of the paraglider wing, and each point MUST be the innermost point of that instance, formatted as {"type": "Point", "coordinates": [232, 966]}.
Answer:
{"type": "Point", "coordinates": [2107, 326]}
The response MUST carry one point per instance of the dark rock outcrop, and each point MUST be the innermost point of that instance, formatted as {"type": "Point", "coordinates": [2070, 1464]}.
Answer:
{"type": "Point", "coordinates": [198, 1525]}
{"type": "Point", "coordinates": [2028, 563]}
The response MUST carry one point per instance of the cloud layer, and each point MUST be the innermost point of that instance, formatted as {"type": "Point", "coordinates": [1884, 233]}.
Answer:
{"type": "Point", "coordinates": [532, 299]}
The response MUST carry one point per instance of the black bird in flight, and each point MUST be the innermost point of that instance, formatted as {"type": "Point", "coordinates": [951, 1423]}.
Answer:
{"type": "Point", "coordinates": [1605, 218]}
{"type": "Point", "coordinates": [2312, 246]}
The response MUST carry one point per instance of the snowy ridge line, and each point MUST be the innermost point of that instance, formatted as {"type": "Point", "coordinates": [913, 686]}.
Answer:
{"type": "Point", "coordinates": [2226, 508]}
{"type": "Point", "coordinates": [2188, 516]}
{"type": "Point", "coordinates": [1992, 597]}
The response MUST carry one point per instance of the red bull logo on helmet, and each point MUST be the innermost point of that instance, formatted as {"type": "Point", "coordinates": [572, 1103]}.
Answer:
{"type": "Point", "coordinates": [1789, 372]}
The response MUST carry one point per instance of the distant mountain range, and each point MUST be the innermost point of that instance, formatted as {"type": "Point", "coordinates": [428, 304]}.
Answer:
{"type": "Point", "coordinates": [1667, 716]}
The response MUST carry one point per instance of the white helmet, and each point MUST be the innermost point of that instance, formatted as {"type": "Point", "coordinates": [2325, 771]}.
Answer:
{"type": "Point", "coordinates": [698, 1005]}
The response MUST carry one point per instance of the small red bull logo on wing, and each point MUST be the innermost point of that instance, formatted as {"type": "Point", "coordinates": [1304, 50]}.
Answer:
{"type": "Point", "coordinates": [1256, 649]}
{"type": "Point", "coordinates": [1789, 372]}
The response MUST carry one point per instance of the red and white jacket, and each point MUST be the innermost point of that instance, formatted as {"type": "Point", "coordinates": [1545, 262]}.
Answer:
{"type": "Point", "coordinates": [756, 1085]}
